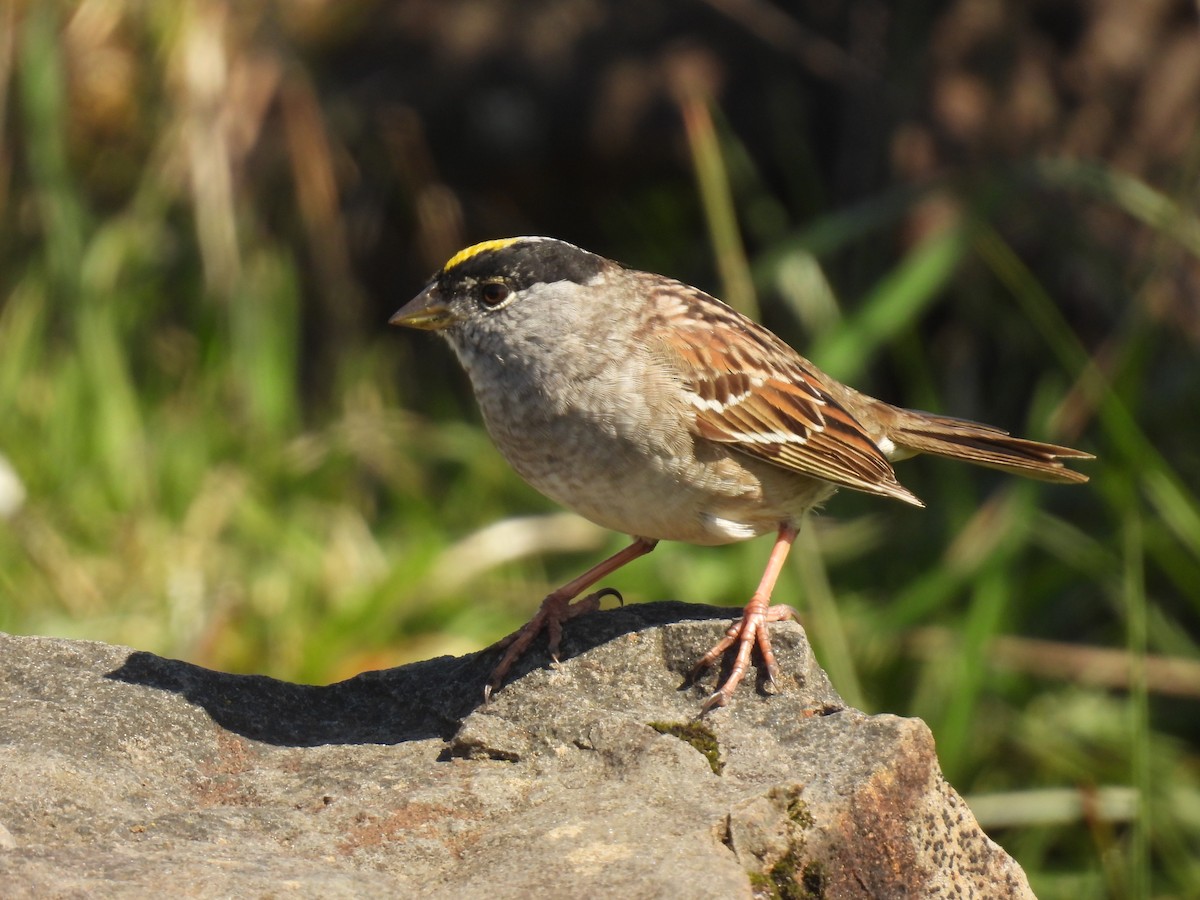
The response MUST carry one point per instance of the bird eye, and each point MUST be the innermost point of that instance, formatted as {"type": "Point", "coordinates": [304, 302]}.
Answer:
{"type": "Point", "coordinates": [493, 293]}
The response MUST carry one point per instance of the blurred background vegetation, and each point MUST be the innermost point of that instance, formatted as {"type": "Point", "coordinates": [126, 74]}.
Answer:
{"type": "Point", "coordinates": [211, 446]}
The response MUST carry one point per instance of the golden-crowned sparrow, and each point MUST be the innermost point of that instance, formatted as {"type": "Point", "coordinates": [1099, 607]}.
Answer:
{"type": "Point", "coordinates": [654, 409]}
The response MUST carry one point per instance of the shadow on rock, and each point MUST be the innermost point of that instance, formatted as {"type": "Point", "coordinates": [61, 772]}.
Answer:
{"type": "Point", "coordinates": [414, 702]}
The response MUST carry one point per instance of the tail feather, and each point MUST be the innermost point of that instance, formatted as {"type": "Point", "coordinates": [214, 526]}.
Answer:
{"type": "Point", "coordinates": [921, 432]}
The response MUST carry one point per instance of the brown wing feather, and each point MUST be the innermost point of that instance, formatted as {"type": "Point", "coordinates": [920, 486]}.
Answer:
{"type": "Point", "coordinates": [751, 390]}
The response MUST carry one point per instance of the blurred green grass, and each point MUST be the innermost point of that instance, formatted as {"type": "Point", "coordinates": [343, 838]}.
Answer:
{"type": "Point", "coordinates": [195, 488]}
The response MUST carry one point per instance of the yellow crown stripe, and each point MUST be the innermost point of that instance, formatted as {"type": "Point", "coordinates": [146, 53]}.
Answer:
{"type": "Point", "coordinates": [463, 255]}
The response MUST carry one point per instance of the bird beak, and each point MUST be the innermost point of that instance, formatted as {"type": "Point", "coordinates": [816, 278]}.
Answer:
{"type": "Point", "coordinates": [425, 311]}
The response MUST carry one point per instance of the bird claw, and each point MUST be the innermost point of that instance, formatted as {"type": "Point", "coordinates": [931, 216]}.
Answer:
{"type": "Point", "coordinates": [606, 592]}
{"type": "Point", "coordinates": [714, 701]}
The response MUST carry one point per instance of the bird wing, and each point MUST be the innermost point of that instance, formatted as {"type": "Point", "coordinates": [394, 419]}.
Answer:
{"type": "Point", "coordinates": [749, 389]}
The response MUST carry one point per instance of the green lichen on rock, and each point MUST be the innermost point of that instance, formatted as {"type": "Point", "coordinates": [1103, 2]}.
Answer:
{"type": "Point", "coordinates": [760, 886]}
{"type": "Point", "coordinates": [783, 877]}
{"type": "Point", "coordinates": [813, 879]}
{"type": "Point", "coordinates": [699, 736]}
{"type": "Point", "coordinates": [788, 879]}
{"type": "Point", "coordinates": [780, 882]}
{"type": "Point", "coordinates": [791, 877]}
{"type": "Point", "coordinates": [797, 810]}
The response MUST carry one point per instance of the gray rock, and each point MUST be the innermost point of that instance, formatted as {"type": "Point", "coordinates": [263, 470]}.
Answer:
{"type": "Point", "coordinates": [125, 774]}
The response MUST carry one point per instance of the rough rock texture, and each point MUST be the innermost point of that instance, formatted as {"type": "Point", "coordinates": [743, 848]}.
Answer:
{"type": "Point", "coordinates": [124, 774]}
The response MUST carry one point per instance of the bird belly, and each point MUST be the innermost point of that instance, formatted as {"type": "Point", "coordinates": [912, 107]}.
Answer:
{"type": "Point", "coordinates": [661, 493]}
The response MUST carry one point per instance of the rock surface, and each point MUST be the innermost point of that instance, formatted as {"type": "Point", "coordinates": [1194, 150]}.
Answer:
{"type": "Point", "coordinates": [124, 774]}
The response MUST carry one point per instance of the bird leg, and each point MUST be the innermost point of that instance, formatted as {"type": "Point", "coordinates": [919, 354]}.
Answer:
{"type": "Point", "coordinates": [752, 629]}
{"type": "Point", "coordinates": [557, 608]}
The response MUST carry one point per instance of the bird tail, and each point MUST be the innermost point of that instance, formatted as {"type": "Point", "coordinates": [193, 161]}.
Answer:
{"type": "Point", "coordinates": [922, 432]}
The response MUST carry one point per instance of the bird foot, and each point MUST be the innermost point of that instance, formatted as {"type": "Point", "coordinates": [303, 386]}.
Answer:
{"type": "Point", "coordinates": [751, 631]}
{"type": "Point", "coordinates": [556, 610]}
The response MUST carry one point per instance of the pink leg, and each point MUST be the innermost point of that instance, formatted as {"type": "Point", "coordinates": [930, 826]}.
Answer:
{"type": "Point", "coordinates": [752, 629]}
{"type": "Point", "coordinates": [557, 608]}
